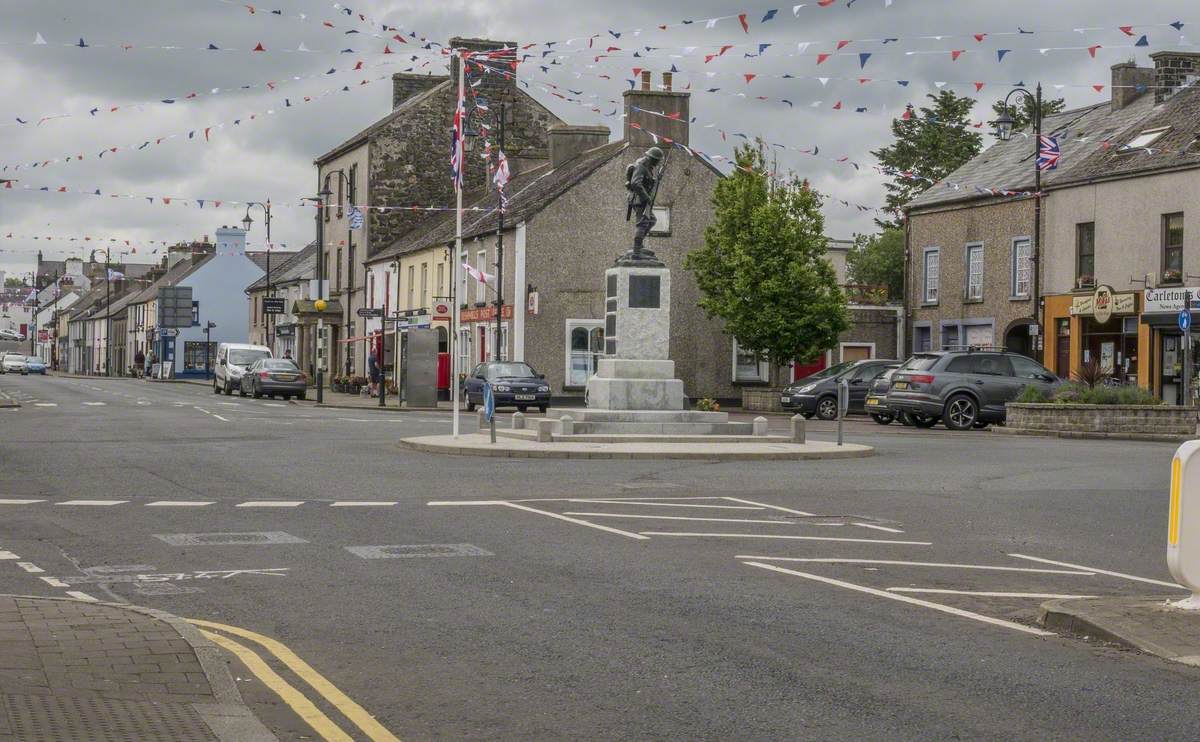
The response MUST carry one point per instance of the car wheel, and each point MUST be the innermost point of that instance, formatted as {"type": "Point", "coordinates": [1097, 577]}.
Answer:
{"type": "Point", "coordinates": [883, 419]}
{"type": "Point", "coordinates": [923, 421]}
{"type": "Point", "coordinates": [827, 408]}
{"type": "Point", "coordinates": [962, 412]}
{"type": "Point", "coordinates": [241, 391]}
{"type": "Point", "coordinates": [228, 389]}
{"type": "Point", "coordinates": [216, 389]}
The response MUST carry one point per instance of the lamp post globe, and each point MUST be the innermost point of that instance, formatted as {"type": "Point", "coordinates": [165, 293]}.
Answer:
{"type": "Point", "coordinates": [247, 221]}
{"type": "Point", "coordinates": [1004, 126]}
{"type": "Point", "coordinates": [320, 305]}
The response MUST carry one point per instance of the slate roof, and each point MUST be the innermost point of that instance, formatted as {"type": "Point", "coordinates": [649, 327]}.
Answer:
{"type": "Point", "coordinates": [174, 275]}
{"type": "Point", "coordinates": [1009, 165]}
{"type": "Point", "coordinates": [299, 266]}
{"type": "Point", "coordinates": [259, 258]}
{"type": "Point", "coordinates": [529, 193]}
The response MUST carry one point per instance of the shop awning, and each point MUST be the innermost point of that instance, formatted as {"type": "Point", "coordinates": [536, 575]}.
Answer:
{"type": "Point", "coordinates": [360, 337]}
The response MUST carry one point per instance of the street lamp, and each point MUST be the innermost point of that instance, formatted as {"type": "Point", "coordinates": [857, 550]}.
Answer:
{"type": "Point", "coordinates": [208, 326]}
{"type": "Point", "coordinates": [321, 200]}
{"type": "Point", "coordinates": [1004, 130]}
{"type": "Point", "coordinates": [246, 222]}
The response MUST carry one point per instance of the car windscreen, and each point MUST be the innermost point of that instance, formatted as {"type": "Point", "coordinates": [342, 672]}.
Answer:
{"type": "Point", "coordinates": [920, 363]}
{"type": "Point", "coordinates": [279, 365]}
{"type": "Point", "coordinates": [241, 357]}
{"type": "Point", "coordinates": [510, 371]}
{"type": "Point", "coordinates": [830, 372]}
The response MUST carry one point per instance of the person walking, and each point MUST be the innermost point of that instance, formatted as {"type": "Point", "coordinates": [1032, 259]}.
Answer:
{"type": "Point", "coordinates": [139, 363]}
{"type": "Point", "coordinates": [373, 369]}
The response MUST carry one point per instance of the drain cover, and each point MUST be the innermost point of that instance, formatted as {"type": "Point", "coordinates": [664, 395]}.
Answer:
{"type": "Point", "coordinates": [229, 539]}
{"type": "Point", "coordinates": [36, 718]}
{"type": "Point", "coordinates": [412, 551]}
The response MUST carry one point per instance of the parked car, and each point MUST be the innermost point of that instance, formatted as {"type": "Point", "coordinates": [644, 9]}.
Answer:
{"type": "Point", "coordinates": [35, 365]}
{"type": "Point", "coordinates": [817, 394]}
{"type": "Point", "coordinates": [964, 388]}
{"type": "Point", "coordinates": [7, 333]}
{"type": "Point", "coordinates": [514, 384]}
{"type": "Point", "coordinates": [14, 363]}
{"type": "Point", "coordinates": [232, 361]}
{"type": "Point", "coordinates": [273, 376]}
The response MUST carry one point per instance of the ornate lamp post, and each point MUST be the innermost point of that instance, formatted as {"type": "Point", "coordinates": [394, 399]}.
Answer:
{"type": "Point", "coordinates": [247, 222]}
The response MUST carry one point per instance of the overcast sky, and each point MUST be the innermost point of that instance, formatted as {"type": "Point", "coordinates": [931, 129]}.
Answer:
{"type": "Point", "coordinates": [272, 156]}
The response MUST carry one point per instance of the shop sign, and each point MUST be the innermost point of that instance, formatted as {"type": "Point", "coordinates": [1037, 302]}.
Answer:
{"type": "Point", "coordinates": [1103, 304]}
{"type": "Point", "coordinates": [483, 314]}
{"type": "Point", "coordinates": [1166, 300]}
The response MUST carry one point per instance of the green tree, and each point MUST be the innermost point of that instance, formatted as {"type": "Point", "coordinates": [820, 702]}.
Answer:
{"type": "Point", "coordinates": [932, 143]}
{"type": "Point", "coordinates": [11, 282]}
{"type": "Point", "coordinates": [1023, 113]}
{"type": "Point", "coordinates": [762, 269]}
{"type": "Point", "coordinates": [878, 260]}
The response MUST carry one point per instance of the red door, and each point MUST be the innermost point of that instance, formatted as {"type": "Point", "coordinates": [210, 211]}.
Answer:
{"type": "Point", "coordinates": [800, 371]}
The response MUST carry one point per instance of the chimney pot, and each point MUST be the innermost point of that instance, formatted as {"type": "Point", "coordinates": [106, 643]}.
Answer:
{"type": "Point", "coordinates": [646, 79]}
{"type": "Point", "coordinates": [666, 113]}
{"type": "Point", "coordinates": [667, 81]}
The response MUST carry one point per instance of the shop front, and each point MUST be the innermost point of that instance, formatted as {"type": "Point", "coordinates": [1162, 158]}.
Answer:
{"type": "Point", "coordinates": [1160, 315]}
{"type": "Point", "coordinates": [1099, 329]}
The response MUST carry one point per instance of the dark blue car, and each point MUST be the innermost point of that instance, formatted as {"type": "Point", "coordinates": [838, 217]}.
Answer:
{"type": "Point", "coordinates": [514, 384]}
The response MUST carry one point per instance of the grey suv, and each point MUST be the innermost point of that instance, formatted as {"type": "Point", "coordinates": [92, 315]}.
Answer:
{"type": "Point", "coordinates": [964, 388]}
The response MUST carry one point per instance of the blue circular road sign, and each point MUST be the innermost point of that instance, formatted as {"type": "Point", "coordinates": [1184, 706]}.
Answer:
{"type": "Point", "coordinates": [1185, 319]}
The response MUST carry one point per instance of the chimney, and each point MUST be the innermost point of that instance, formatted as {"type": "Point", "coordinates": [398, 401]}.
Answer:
{"type": "Point", "coordinates": [231, 241]}
{"type": "Point", "coordinates": [664, 112]}
{"type": "Point", "coordinates": [406, 85]}
{"type": "Point", "coordinates": [1129, 82]}
{"type": "Point", "coordinates": [568, 142]}
{"type": "Point", "coordinates": [501, 82]}
{"type": "Point", "coordinates": [1174, 71]}
{"type": "Point", "coordinates": [176, 254]}
{"type": "Point", "coordinates": [73, 267]}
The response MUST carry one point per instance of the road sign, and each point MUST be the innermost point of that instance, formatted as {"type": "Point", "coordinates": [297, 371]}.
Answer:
{"type": "Point", "coordinates": [175, 306]}
{"type": "Point", "coordinates": [412, 323]}
{"type": "Point", "coordinates": [489, 402]}
{"type": "Point", "coordinates": [441, 310]}
{"type": "Point", "coordinates": [1183, 522]}
{"type": "Point", "coordinates": [370, 312]}
{"type": "Point", "coordinates": [1185, 320]}
{"type": "Point", "coordinates": [410, 312]}
{"type": "Point", "coordinates": [274, 305]}
{"type": "Point", "coordinates": [43, 336]}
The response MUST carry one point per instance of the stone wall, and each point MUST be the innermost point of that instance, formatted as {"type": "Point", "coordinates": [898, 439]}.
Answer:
{"type": "Point", "coordinates": [761, 399]}
{"type": "Point", "coordinates": [1117, 421]}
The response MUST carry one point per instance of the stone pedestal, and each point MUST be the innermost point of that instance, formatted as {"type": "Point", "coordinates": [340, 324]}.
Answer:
{"type": "Point", "coordinates": [636, 373]}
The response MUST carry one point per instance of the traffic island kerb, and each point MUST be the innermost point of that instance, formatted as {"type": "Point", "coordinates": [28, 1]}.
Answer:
{"type": "Point", "coordinates": [1147, 623]}
{"type": "Point", "coordinates": [772, 448]}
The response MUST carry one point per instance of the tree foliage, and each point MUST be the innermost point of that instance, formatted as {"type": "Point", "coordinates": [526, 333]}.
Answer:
{"type": "Point", "coordinates": [11, 282]}
{"type": "Point", "coordinates": [1023, 114]}
{"type": "Point", "coordinates": [762, 269]}
{"type": "Point", "coordinates": [932, 143]}
{"type": "Point", "coordinates": [878, 260]}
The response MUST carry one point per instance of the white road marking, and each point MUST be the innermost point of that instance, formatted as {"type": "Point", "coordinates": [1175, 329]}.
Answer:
{"type": "Point", "coordinates": [8, 555]}
{"type": "Point", "coordinates": [46, 404]}
{"type": "Point", "coordinates": [273, 404]}
{"type": "Point", "coordinates": [663, 504]}
{"type": "Point", "coordinates": [917, 564]}
{"type": "Point", "coordinates": [230, 404]}
{"type": "Point", "coordinates": [30, 567]}
{"type": "Point", "coordinates": [905, 599]}
{"type": "Point", "coordinates": [81, 596]}
{"type": "Point", "coordinates": [570, 499]}
{"type": "Point", "coordinates": [1099, 571]}
{"type": "Point", "coordinates": [684, 517]}
{"type": "Point", "coordinates": [220, 418]}
{"type": "Point", "coordinates": [576, 521]}
{"type": "Point", "coordinates": [98, 503]}
{"type": "Point", "coordinates": [765, 505]}
{"type": "Point", "coordinates": [94, 404]}
{"type": "Point", "coordinates": [877, 528]}
{"type": "Point", "coordinates": [797, 538]}
{"type": "Point", "coordinates": [54, 582]}
{"type": "Point", "coordinates": [270, 504]}
{"type": "Point", "coordinates": [179, 503]}
{"type": "Point", "coordinates": [19, 502]}
{"type": "Point", "coordinates": [206, 412]}
{"type": "Point", "coordinates": [985, 594]}
{"type": "Point", "coordinates": [361, 504]}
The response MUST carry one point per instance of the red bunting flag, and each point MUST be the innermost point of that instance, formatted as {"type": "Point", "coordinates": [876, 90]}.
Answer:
{"type": "Point", "coordinates": [1092, 50]}
{"type": "Point", "coordinates": [387, 49]}
{"type": "Point", "coordinates": [822, 57]}
{"type": "Point", "coordinates": [206, 130]}
{"type": "Point", "coordinates": [980, 37]}
{"type": "Point", "coordinates": [825, 3]}
{"type": "Point", "coordinates": [842, 44]}
{"type": "Point", "coordinates": [259, 48]}
{"type": "Point", "coordinates": [907, 114]}
{"type": "Point", "coordinates": [837, 106]}
{"type": "Point", "coordinates": [1098, 88]}
{"type": "Point", "coordinates": [749, 77]}
{"type": "Point", "coordinates": [1127, 30]}
{"type": "Point", "coordinates": [724, 49]}
{"type": "Point", "coordinates": [955, 54]}
{"type": "Point", "coordinates": [742, 20]}
{"type": "Point", "coordinates": [978, 87]}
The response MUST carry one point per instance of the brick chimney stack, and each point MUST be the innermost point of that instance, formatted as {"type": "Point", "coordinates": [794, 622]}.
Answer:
{"type": "Point", "coordinates": [664, 112]}
{"type": "Point", "coordinates": [1173, 71]}
{"type": "Point", "coordinates": [406, 85]}
{"type": "Point", "coordinates": [1126, 79]}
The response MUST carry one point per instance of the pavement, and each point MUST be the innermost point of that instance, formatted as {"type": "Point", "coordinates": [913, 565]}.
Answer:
{"type": "Point", "coordinates": [779, 449]}
{"type": "Point", "coordinates": [76, 669]}
{"type": "Point", "coordinates": [1147, 624]}
{"type": "Point", "coordinates": [446, 597]}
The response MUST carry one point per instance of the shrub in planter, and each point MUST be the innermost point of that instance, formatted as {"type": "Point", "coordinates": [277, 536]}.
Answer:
{"type": "Point", "coordinates": [707, 405]}
{"type": "Point", "coordinates": [1032, 395]}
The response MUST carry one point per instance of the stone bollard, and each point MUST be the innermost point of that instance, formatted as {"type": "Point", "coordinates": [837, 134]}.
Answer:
{"type": "Point", "coordinates": [518, 421]}
{"type": "Point", "coordinates": [567, 425]}
{"type": "Point", "coordinates": [545, 431]}
{"type": "Point", "coordinates": [760, 426]}
{"type": "Point", "coordinates": [798, 428]}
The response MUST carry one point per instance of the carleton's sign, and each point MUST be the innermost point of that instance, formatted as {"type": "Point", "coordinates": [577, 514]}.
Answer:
{"type": "Point", "coordinates": [1103, 304]}
{"type": "Point", "coordinates": [1167, 300]}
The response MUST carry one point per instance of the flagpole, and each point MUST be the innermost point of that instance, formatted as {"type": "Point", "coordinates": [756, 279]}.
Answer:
{"type": "Point", "coordinates": [458, 221]}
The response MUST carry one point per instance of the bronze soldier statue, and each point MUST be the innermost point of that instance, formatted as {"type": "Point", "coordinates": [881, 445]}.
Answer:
{"type": "Point", "coordinates": [641, 180]}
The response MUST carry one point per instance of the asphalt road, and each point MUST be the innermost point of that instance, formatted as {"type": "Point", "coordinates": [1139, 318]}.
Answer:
{"type": "Point", "coordinates": [607, 599]}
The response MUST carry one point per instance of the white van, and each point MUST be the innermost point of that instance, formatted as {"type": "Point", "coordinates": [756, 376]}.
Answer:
{"type": "Point", "coordinates": [232, 361]}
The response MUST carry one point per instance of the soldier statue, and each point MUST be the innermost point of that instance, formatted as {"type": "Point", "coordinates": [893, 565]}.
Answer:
{"type": "Point", "coordinates": [641, 180]}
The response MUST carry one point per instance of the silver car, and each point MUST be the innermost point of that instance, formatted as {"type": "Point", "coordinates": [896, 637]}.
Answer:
{"type": "Point", "coordinates": [274, 377]}
{"type": "Point", "coordinates": [964, 388]}
{"type": "Point", "coordinates": [14, 363]}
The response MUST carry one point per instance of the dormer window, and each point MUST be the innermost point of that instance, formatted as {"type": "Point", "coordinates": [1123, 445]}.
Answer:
{"type": "Point", "coordinates": [1146, 138]}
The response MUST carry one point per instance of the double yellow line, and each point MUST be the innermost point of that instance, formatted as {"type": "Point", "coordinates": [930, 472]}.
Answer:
{"type": "Point", "coordinates": [299, 703]}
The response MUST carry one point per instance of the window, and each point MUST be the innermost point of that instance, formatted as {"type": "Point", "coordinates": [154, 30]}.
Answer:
{"type": "Point", "coordinates": [412, 272]}
{"type": "Point", "coordinates": [922, 339]}
{"type": "Point", "coordinates": [1146, 138]}
{"type": "Point", "coordinates": [1085, 254]}
{"type": "Point", "coordinates": [981, 363]}
{"type": "Point", "coordinates": [974, 272]}
{"type": "Point", "coordinates": [441, 273]}
{"type": "Point", "coordinates": [950, 336]}
{"type": "Point", "coordinates": [662, 224]}
{"type": "Point", "coordinates": [341, 194]}
{"type": "Point", "coordinates": [931, 272]}
{"type": "Point", "coordinates": [424, 284]}
{"type": "Point", "coordinates": [1027, 368]}
{"type": "Point", "coordinates": [198, 355]}
{"type": "Point", "coordinates": [585, 347]}
{"type": "Point", "coordinates": [195, 313]}
{"type": "Point", "coordinates": [1172, 242]}
{"type": "Point", "coordinates": [480, 286]}
{"type": "Point", "coordinates": [749, 367]}
{"type": "Point", "coordinates": [354, 184]}
{"type": "Point", "coordinates": [339, 268]}
{"type": "Point", "coordinates": [1022, 267]}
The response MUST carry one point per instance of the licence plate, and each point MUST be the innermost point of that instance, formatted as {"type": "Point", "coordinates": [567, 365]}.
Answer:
{"type": "Point", "coordinates": [785, 400]}
{"type": "Point", "coordinates": [872, 402]}
{"type": "Point", "coordinates": [281, 377]}
{"type": "Point", "coordinates": [900, 385]}
{"type": "Point", "coordinates": [525, 397]}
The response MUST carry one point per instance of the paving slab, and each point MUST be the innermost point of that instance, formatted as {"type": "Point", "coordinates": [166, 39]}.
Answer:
{"type": "Point", "coordinates": [478, 444]}
{"type": "Point", "coordinates": [72, 669]}
{"type": "Point", "coordinates": [1147, 623]}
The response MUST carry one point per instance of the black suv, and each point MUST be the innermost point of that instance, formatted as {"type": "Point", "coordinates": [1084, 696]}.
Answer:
{"type": "Point", "coordinates": [964, 388]}
{"type": "Point", "coordinates": [817, 394]}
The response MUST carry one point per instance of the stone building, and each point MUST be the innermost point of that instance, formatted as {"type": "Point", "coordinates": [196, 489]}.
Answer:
{"type": "Point", "coordinates": [402, 161]}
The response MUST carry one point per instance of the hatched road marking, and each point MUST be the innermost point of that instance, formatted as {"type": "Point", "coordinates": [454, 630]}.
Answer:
{"type": "Point", "coordinates": [823, 560]}
{"type": "Point", "coordinates": [685, 517]}
{"type": "Point", "coordinates": [98, 503]}
{"type": "Point", "coordinates": [796, 538]}
{"type": "Point", "coordinates": [1099, 571]}
{"type": "Point", "coordinates": [987, 594]}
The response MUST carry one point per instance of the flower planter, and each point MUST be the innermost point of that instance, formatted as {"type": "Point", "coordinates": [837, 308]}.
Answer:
{"type": "Point", "coordinates": [1144, 422]}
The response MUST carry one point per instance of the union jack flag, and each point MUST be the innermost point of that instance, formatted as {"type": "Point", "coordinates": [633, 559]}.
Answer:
{"type": "Point", "coordinates": [1048, 153]}
{"type": "Point", "coordinates": [456, 146]}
